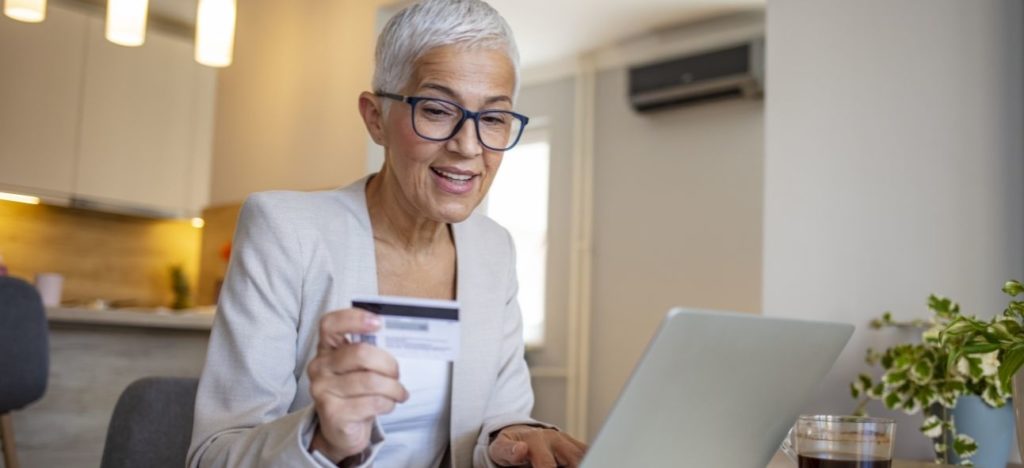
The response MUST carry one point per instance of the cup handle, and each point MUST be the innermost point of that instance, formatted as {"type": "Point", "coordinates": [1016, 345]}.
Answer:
{"type": "Point", "coordinates": [788, 447]}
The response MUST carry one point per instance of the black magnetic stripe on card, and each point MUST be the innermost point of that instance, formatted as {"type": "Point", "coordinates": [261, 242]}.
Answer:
{"type": "Point", "coordinates": [395, 310]}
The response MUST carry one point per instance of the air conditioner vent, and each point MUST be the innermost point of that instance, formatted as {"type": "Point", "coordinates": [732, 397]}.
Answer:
{"type": "Point", "coordinates": [730, 71]}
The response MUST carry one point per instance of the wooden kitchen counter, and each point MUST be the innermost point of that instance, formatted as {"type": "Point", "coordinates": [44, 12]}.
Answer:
{"type": "Point", "coordinates": [94, 355]}
{"type": "Point", "coordinates": [188, 319]}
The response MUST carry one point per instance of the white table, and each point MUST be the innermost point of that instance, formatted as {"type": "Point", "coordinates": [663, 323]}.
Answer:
{"type": "Point", "coordinates": [781, 461]}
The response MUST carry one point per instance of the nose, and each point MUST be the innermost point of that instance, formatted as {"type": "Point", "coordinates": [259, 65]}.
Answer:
{"type": "Point", "coordinates": [465, 142]}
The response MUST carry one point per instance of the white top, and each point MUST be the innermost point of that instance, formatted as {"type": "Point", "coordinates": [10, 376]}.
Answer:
{"type": "Point", "coordinates": [416, 432]}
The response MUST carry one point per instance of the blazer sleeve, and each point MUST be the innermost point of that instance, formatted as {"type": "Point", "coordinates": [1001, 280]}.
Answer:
{"type": "Point", "coordinates": [251, 373]}
{"type": "Point", "coordinates": [512, 399]}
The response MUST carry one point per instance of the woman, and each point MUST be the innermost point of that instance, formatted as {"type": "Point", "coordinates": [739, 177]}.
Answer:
{"type": "Point", "coordinates": [282, 386]}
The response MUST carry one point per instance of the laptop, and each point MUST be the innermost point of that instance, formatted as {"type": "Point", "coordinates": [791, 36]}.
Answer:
{"type": "Point", "coordinates": [716, 389]}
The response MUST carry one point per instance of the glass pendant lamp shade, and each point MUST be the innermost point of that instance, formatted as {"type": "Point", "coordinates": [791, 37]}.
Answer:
{"type": "Point", "coordinates": [29, 11]}
{"type": "Point", "coordinates": [215, 32]}
{"type": "Point", "coordinates": [126, 22]}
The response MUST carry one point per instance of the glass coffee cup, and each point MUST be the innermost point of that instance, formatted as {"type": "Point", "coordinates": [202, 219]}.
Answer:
{"type": "Point", "coordinates": [841, 442]}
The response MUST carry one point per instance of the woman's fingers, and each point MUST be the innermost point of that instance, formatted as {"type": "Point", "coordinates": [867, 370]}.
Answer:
{"type": "Point", "coordinates": [567, 453]}
{"type": "Point", "coordinates": [345, 413]}
{"type": "Point", "coordinates": [360, 384]}
{"type": "Point", "coordinates": [540, 447]}
{"type": "Point", "coordinates": [578, 444]}
{"type": "Point", "coordinates": [336, 355]}
{"type": "Point", "coordinates": [541, 455]}
{"type": "Point", "coordinates": [334, 326]}
{"type": "Point", "coordinates": [355, 357]}
{"type": "Point", "coordinates": [351, 383]}
{"type": "Point", "coordinates": [508, 452]}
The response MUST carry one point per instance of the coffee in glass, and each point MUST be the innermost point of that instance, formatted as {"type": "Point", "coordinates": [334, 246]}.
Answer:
{"type": "Point", "coordinates": [841, 442]}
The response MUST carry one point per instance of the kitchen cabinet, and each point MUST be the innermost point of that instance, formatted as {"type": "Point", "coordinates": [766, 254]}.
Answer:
{"type": "Point", "coordinates": [202, 152]}
{"type": "Point", "coordinates": [94, 355]}
{"type": "Point", "coordinates": [140, 140]}
{"type": "Point", "coordinates": [111, 127]}
{"type": "Point", "coordinates": [40, 90]}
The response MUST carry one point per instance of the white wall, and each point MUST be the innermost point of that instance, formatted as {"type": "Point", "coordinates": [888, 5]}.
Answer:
{"type": "Point", "coordinates": [287, 115]}
{"type": "Point", "coordinates": [677, 201]}
{"type": "Point", "coordinates": [677, 221]}
{"type": "Point", "coordinates": [550, 107]}
{"type": "Point", "coordinates": [893, 166]}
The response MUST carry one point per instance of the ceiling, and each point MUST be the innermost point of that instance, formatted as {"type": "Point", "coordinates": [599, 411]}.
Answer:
{"type": "Point", "coordinates": [550, 30]}
{"type": "Point", "coordinates": [182, 11]}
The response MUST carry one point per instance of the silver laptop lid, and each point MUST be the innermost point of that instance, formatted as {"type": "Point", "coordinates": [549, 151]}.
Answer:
{"type": "Point", "coordinates": [716, 389]}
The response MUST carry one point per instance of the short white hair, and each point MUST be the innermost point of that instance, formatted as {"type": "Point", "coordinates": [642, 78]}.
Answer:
{"type": "Point", "coordinates": [429, 24]}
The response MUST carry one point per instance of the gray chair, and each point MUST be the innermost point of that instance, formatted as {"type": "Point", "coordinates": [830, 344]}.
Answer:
{"type": "Point", "coordinates": [152, 424]}
{"type": "Point", "coordinates": [24, 355]}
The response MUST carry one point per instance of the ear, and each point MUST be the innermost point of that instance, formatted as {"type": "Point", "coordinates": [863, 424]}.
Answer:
{"type": "Point", "coordinates": [373, 116]}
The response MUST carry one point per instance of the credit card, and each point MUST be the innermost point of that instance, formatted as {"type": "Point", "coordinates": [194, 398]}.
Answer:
{"type": "Point", "coordinates": [412, 327]}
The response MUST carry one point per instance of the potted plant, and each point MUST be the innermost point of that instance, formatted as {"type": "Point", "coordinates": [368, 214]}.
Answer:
{"type": "Point", "coordinates": [998, 342]}
{"type": "Point", "coordinates": [179, 287]}
{"type": "Point", "coordinates": [931, 376]}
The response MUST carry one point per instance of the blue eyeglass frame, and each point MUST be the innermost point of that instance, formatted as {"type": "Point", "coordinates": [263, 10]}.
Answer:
{"type": "Point", "coordinates": [466, 115]}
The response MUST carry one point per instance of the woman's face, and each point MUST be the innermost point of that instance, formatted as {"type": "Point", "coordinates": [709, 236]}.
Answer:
{"type": "Point", "coordinates": [445, 180]}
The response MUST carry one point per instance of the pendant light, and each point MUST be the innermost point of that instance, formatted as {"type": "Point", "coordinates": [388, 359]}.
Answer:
{"type": "Point", "coordinates": [29, 11]}
{"type": "Point", "coordinates": [126, 22]}
{"type": "Point", "coordinates": [16, 197]}
{"type": "Point", "coordinates": [215, 32]}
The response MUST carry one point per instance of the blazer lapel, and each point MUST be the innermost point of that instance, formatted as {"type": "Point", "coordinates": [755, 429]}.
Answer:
{"type": "Point", "coordinates": [466, 397]}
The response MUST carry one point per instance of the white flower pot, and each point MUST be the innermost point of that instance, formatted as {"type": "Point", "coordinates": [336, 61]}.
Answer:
{"type": "Point", "coordinates": [1018, 408]}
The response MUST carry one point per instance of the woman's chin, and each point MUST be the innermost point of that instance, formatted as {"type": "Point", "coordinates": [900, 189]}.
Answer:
{"type": "Point", "coordinates": [454, 212]}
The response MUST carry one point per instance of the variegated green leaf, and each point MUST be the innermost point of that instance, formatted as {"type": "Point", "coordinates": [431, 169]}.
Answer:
{"type": "Point", "coordinates": [895, 378]}
{"type": "Point", "coordinates": [892, 401]}
{"type": "Point", "coordinates": [992, 397]}
{"type": "Point", "coordinates": [926, 396]}
{"type": "Point", "coordinates": [932, 427]}
{"type": "Point", "coordinates": [921, 372]}
{"type": "Point", "coordinates": [970, 366]}
{"type": "Point", "coordinates": [1001, 329]}
{"type": "Point", "coordinates": [1013, 359]}
{"type": "Point", "coordinates": [964, 445]}
{"type": "Point", "coordinates": [903, 362]}
{"type": "Point", "coordinates": [910, 405]}
{"type": "Point", "coordinates": [1013, 288]}
{"type": "Point", "coordinates": [981, 348]}
{"type": "Point", "coordinates": [989, 363]}
{"type": "Point", "coordinates": [942, 306]}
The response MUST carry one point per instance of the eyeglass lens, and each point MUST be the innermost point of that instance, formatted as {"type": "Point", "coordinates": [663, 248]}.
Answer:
{"type": "Point", "coordinates": [437, 120]}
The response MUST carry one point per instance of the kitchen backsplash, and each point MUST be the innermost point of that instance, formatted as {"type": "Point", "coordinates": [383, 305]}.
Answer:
{"type": "Point", "coordinates": [108, 256]}
{"type": "Point", "coordinates": [213, 263]}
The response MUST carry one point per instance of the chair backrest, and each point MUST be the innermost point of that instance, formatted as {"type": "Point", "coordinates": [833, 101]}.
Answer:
{"type": "Point", "coordinates": [152, 424]}
{"type": "Point", "coordinates": [24, 344]}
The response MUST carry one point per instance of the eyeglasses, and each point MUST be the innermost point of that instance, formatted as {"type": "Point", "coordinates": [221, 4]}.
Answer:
{"type": "Point", "coordinates": [439, 120]}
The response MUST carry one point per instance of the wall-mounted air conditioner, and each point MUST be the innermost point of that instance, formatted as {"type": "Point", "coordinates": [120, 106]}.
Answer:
{"type": "Point", "coordinates": [729, 71]}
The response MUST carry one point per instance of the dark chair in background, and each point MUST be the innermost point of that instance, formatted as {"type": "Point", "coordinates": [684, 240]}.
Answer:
{"type": "Point", "coordinates": [24, 356]}
{"type": "Point", "coordinates": [152, 424]}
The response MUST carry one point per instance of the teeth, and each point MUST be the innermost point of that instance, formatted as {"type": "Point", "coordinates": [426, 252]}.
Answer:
{"type": "Point", "coordinates": [458, 177]}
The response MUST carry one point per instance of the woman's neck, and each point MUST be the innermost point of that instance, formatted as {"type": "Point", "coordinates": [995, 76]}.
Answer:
{"type": "Point", "coordinates": [396, 221]}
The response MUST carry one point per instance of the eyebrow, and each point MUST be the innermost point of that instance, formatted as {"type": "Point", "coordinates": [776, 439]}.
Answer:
{"type": "Point", "coordinates": [452, 94]}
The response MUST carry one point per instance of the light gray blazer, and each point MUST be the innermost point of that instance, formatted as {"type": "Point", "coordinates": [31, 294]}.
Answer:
{"type": "Point", "coordinates": [298, 255]}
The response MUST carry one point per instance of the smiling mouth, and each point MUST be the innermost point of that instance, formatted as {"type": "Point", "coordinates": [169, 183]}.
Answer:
{"type": "Point", "coordinates": [455, 178]}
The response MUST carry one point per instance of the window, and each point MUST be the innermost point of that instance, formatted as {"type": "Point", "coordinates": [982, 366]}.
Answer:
{"type": "Point", "coordinates": [518, 200]}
